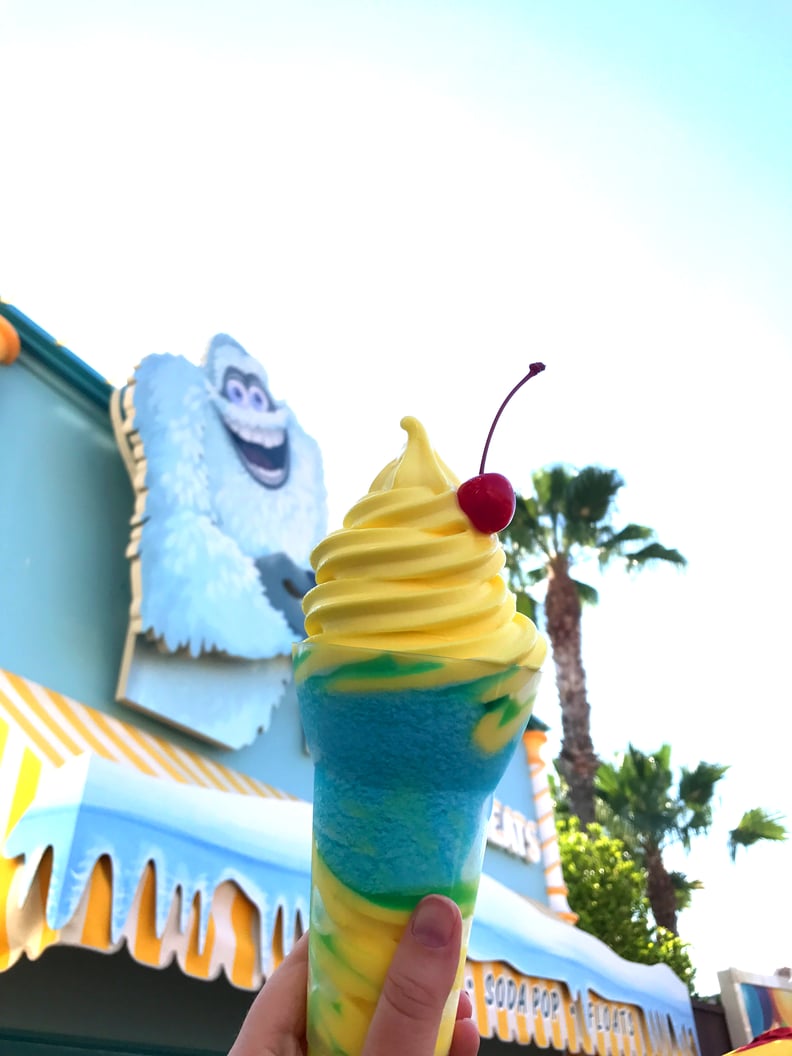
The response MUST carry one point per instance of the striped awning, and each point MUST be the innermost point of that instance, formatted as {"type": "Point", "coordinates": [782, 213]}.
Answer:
{"type": "Point", "coordinates": [70, 876]}
{"type": "Point", "coordinates": [115, 837]}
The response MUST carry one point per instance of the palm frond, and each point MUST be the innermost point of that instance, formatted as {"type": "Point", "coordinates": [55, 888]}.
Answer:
{"type": "Point", "coordinates": [527, 605]}
{"type": "Point", "coordinates": [519, 577]}
{"type": "Point", "coordinates": [620, 826]}
{"type": "Point", "coordinates": [528, 534]}
{"type": "Point", "coordinates": [591, 493]}
{"type": "Point", "coordinates": [560, 478]}
{"type": "Point", "coordinates": [654, 552]}
{"type": "Point", "coordinates": [558, 481]}
{"type": "Point", "coordinates": [611, 543]}
{"type": "Point", "coordinates": [587, 594]}
{"type": "Point", "coordinates": [684, 888]}
{"type": "Point", "coordinates": [550, 485]}
{"type": "Point", "coordinates": [755, 825]}
{"type": "Point", "coordinates": [660, 760]}
{"type": "Point", "coordinates": [559, 792]}
{"type": "Point", "coordinates": [530, 507]}
{"type": "Point", "coordinates": [697, 786]}
{"type": "Point", "coordinates": [535, 575]}
{"type": "Point", "coordinates": [631, 533]}
{"type": "Point", "coordinates": [656, 765]}
{"type": "Point", "coordinates": [639, 789]}
{"type": "Point", "coordinates": [696, 792]}
{"type": "Point", "coordinates": [589, 498]}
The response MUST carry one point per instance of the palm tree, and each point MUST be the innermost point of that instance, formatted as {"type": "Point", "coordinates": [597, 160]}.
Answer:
{"type": "Point", "coordinates": [567, 520]}
{"type": "Point", "coordinates": [649, 814]}
{"type": "Point", "coordinates": [621, 828]}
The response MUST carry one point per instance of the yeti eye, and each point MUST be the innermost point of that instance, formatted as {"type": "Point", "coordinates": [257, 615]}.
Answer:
{"type": "Point", "coordinates": [236, 392]}
{"type": "Point", "coordinates": [258, 398]}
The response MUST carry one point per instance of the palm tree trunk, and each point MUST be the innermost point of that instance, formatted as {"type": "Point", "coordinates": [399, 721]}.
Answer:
{"type": "Point", "coordinates": [578, 762]}
{"type": "Point", "coordinates": [660, 889]}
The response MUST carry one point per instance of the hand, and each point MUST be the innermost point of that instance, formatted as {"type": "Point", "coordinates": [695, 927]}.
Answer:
{"type": "Point", "coordinates": [408, 1014]}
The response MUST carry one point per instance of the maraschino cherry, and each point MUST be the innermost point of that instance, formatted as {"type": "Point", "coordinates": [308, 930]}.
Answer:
{"type": "Point", "coordinates": [488, 499]}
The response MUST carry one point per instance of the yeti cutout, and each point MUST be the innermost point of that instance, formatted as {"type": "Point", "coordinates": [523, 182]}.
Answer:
{"type": "Point", "coordinates": [230, 501]}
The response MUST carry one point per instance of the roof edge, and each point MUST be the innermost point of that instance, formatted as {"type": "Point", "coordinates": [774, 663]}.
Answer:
{"type": "Point", "coordinates": [58, 359]}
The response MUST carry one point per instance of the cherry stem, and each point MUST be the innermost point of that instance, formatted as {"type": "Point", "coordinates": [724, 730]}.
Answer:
{"type": "Point", "coordinates": [536, 368]}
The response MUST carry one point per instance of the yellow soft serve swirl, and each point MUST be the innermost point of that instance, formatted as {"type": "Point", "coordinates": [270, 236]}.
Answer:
{"type": "Point", "coordinates": [409, 573]}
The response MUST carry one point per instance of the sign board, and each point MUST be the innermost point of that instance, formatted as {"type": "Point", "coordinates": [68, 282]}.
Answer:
{"type": "Point", "coordinates": [542, 1012]}
{"type": "Point", "coordinates": [230, 501]}
{"type": "Point", "coordinates": [754, 1003]}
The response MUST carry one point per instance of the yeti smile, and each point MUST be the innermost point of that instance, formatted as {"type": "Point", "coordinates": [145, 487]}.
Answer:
{"type": "Point", "coordinates": [266, 458]}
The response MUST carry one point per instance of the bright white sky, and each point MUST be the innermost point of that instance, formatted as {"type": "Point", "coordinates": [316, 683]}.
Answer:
{"type": "Point", "coordinates": [397, 208]}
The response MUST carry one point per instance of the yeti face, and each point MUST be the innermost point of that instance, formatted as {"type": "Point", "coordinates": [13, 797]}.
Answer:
{"type": "Point", "coordinates": [256, 426]}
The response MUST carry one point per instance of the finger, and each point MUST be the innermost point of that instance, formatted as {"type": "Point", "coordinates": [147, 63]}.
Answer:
{"type": "Point", "coordinates": [465, 1006]}
{"type": "Point", "coordinates": [465, 1041]}
{"type": "Point", "coordinates": [276, 1019]}
{"type": "Point", "coordinates": [419, 980]}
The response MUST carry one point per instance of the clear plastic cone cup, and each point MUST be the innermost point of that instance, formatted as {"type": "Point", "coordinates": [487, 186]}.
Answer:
{"type": "Point", "coordinates": [407, 752]}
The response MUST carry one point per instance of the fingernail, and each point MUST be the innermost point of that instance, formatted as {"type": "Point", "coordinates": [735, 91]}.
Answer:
{"type": "Point", "coordinates": [434, 922]}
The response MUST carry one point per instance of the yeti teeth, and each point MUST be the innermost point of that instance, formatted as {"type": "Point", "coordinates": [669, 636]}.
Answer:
{"type": "Point", "coordinates": [268, 438]}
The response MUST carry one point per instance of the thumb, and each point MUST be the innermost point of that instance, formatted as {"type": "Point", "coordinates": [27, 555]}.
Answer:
{"type": "Point", "coordinates": [419, 980]}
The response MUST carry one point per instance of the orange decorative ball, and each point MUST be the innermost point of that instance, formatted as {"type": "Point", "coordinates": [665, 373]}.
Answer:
{"type": "Point", "coordinates": [9, 342]}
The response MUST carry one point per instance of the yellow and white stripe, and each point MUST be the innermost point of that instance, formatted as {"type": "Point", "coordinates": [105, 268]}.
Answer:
{"type": "Point", "coordinates": [545, 820]}
{"type": "Point", "coordinates": [527, 1010]}
{"type": "Point", "coordinates": [40, 730]}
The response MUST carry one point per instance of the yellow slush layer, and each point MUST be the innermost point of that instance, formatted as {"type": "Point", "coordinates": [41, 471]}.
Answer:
{"type": "Point", "coordinates": [352, 944]}
{"type": "Point", "coordinates": [409, 573]}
